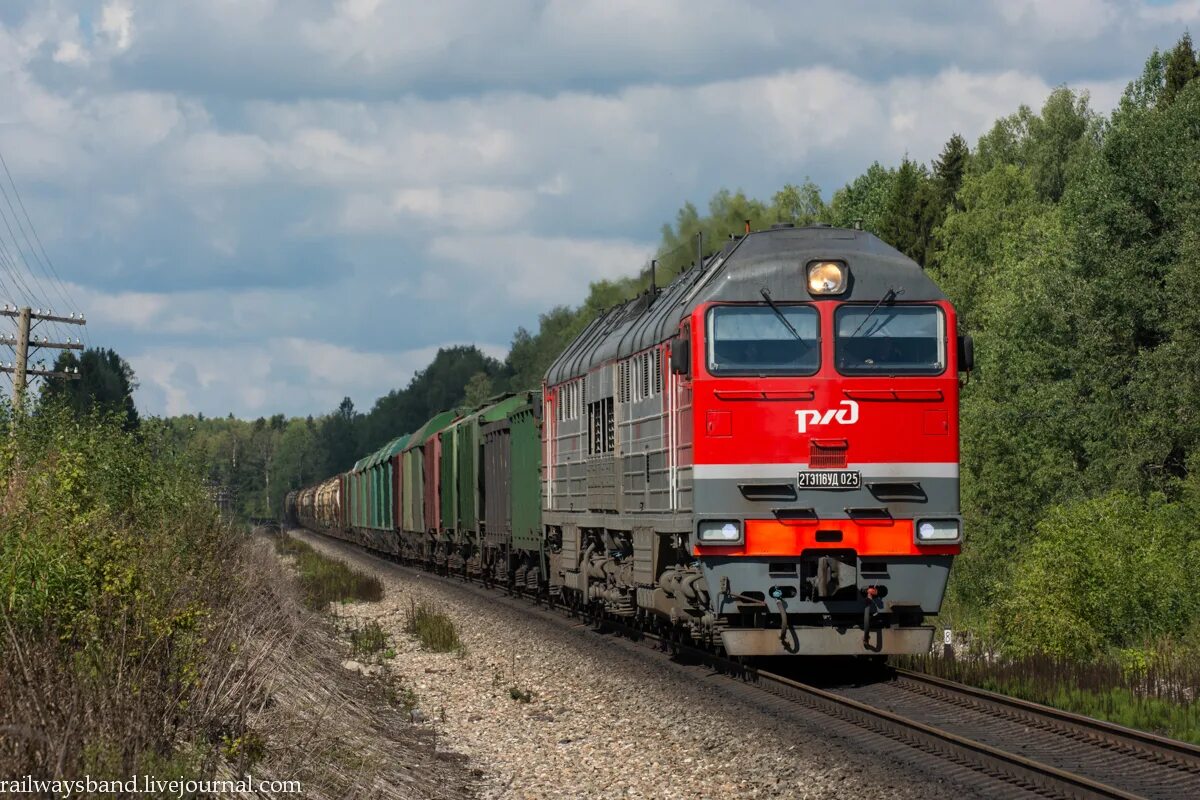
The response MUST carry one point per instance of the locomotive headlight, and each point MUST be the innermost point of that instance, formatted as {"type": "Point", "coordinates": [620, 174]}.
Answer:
{"type": "Point", "coordinates": [719, 531]}
{"type": "Point", "coordinates": [938, 530]}
{"type": "Point", "coordinates": [826, 277]}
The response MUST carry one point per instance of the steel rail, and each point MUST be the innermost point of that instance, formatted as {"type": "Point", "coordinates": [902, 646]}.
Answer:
{"type": "Point", "coordinates": [968, 752]}
{"type": "Point", "coordinates": [992, 762]}
{"type": "Point", "coordinates": [1183, 754]}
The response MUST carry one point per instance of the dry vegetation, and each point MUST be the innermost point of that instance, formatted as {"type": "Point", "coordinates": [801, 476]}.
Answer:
{"type": "Point", "coordinates": [139, 634]}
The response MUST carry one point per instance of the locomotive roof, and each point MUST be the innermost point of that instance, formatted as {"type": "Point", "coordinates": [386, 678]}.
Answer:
{"type": "Point", "coordinates": [772, 259]}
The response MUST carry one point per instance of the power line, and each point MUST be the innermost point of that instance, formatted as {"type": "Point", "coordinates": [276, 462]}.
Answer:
{"type": "Point", "coordinates": [46, 265]}
{"type": "Point", "coordinates": [22, 277]}
{"type": "Point", "coordinates": [14, 273]}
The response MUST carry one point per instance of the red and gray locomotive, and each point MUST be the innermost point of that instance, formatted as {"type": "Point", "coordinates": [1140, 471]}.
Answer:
{"type": "Point", "coordinates": [765, 454]}
{"type": "Point", "coordinates": [760, 458]}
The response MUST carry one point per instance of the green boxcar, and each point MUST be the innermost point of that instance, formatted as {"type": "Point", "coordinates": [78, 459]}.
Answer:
{"type": "Point", "coordinates": [377, 492]}
{"type": "Point", "coordinates": [526, 455]}
{"type": "Point", "coordinates": [414, 471]}
{"type": "Point", "coordinates": [512, 457]}
{"type": "Point", "coordinates": [470, 457]}
{"type": "Point", "coordinates": [413, 490]}
{"type": "Point", "coordinates": [389, 452]}
{"type": "Point", "coordinates": [372, 491]}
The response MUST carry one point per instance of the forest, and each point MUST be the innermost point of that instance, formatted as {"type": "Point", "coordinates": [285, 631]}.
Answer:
{"type": "Point", "coordinates": [1070, 242]}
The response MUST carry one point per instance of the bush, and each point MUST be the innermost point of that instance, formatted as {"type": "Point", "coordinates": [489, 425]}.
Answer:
{"type": "Point", "coordinates": [1115, 571]}
{"type": "Point", "coordinates": [123, 604]}
{"type": "Point", "coordinates": [433, 629]}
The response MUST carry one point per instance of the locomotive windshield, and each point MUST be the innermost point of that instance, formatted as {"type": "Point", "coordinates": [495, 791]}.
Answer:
{"type": "Point", "coordinates": [893, 340]}
{"type": "Point", "coordinates": [753, 340]}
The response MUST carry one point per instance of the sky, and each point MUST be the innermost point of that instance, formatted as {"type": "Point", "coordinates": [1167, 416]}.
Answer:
{"type": "Point", "coordinates": [267, 205]}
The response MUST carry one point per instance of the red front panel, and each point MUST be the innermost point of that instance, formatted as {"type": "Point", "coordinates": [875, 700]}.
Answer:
{"type": "Point", "coordinates": [774, 420]}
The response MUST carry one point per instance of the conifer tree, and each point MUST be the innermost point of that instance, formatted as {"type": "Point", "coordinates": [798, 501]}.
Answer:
{"type": "Point", "coordinates": [948, 172]}
{"type": "Point", "coordinates": [1181, 69]}
{"type": "Point", "coordinates": [907, 218]}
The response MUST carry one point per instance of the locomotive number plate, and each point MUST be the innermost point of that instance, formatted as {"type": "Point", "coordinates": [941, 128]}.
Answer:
{"type": "Point", "coordinates": [830, 479]}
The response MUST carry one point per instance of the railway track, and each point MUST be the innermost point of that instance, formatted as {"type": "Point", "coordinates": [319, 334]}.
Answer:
{"type": "Point", "coordinates": [1025, 746]}
{"type": "Point", "coordinates": [996, 745]}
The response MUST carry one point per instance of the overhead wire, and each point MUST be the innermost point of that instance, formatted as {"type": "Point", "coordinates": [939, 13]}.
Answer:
{"type": "Point", "coordinates": [14, 273]}
{"type": "Point", "coordinates": [18, 276]}
{"type": "Point", "coordinates": [42, 259]}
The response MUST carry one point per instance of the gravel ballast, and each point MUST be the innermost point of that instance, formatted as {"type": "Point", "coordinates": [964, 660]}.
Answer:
{"type": "Point", "coordinates": [602, 720]}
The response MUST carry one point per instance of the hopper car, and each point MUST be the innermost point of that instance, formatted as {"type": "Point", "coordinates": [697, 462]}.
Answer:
{"type": "Point", "coordinates": [761, 458]}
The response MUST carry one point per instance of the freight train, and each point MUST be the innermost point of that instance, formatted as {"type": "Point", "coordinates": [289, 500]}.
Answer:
{"type": "Point", "coordinates": [761, 458]}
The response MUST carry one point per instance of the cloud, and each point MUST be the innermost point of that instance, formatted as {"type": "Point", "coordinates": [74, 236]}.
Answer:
{"type": "Point", "coordinates": [1181, 11]}
{"type": "Point", "coordinates": [435, 207]}
{"type": "Point", "coordinates": [285, 187]}
{"type": "Point", "coordinates": [1062, 20]}
{"type": "Point", "coordinates": [289, 375]}
{"type": "Point", "coordinates": [531, 271]}
{"type": "Point", "coordinates": [389, 50]}
{"type": "Point", "coordinates": [116, 23]}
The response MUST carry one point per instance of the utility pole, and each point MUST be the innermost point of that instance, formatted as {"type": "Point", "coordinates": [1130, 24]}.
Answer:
{"type": "Point", "coordinates": [23, 342]}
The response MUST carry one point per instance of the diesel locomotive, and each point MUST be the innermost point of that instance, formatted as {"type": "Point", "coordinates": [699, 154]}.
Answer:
{"type": "Point", "coordinates": [761, 458]}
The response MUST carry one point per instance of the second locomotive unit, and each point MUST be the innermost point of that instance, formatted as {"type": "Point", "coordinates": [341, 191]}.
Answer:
{"type": "Point", "coordinates": [761, 458]}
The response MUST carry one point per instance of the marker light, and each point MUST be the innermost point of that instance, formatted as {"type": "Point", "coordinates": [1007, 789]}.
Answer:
{"type": "Point", "coordinates": [719, 531]}
{"type": "Point", "coordinates": [937, 530]}
{"type": "Point", "coordinates": [826, 277]}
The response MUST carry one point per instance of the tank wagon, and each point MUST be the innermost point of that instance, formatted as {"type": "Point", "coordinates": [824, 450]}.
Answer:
{"type": "Point", "coordinates": [761, 457]}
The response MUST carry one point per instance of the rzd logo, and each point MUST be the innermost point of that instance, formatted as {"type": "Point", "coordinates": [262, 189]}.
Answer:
{"type": "Point", "coordinates": [810, 417]}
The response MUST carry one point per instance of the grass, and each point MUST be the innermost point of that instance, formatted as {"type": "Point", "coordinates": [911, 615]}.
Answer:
{"type": "Point", "coordinates": [398, 694]}
{"type": "Point", "coordinates": [433, 628]}
{"type": "Point", "coordinates": [1151, 691]}
{"type": "Point", "coordinates": [326, 580]}
{"type": "Point", "coordinates": [368, 639]}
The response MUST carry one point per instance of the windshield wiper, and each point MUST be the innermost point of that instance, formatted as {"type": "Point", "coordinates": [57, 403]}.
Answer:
{"type": "Point", "coordinates": [888, 296]}
{"type": "Point", "coordinates": [786, 322]}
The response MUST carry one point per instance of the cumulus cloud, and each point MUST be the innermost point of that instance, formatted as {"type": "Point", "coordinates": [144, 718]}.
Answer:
{"type": "Point", "coordinates": [116, 23]}
{"type": "Point", "coordinates": [361, 48]}
{"type": "Point", "coordinates": [323, 193]}
{"type": "Point", "coordinates": [533, 271]}
{"type": "Point", "coordinates": [289, 375]}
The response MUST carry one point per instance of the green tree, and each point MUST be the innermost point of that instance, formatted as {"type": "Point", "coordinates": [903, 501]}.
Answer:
{"type": "Point", "coordinates": [298, 460]}
{"type": "Point", "coordinates": [338, 438]}
{"type": "Point", "coordinates": [728, 213]}
{"type": "Point", "coordinates": [440, 386]}
{"type": "Point", "coordinates": [1043, 143]}
{"type": "Point", "coordinates": [1114, 571]}
{"type": "Point", "coordinates": [478, 390]}
{"type": "Point", "coordinates": [948, 172]}
{"type": "Point", "coordinates": [1181, 69]}
{"type": "Point", "coordinates": [800, 205]}
{"type": "Point", "coordinates": [864, 199]}
{"type": "Point", "coordinates": [909, 213]}
{"type": "Point", "coordinates": [106, 382]}
{"type": "Point", "coordinates": [1054, 136]}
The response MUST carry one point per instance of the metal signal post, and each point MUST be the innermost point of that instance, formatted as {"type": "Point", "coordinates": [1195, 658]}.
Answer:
{"type": "Point", "coordinates": [23, 342]}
